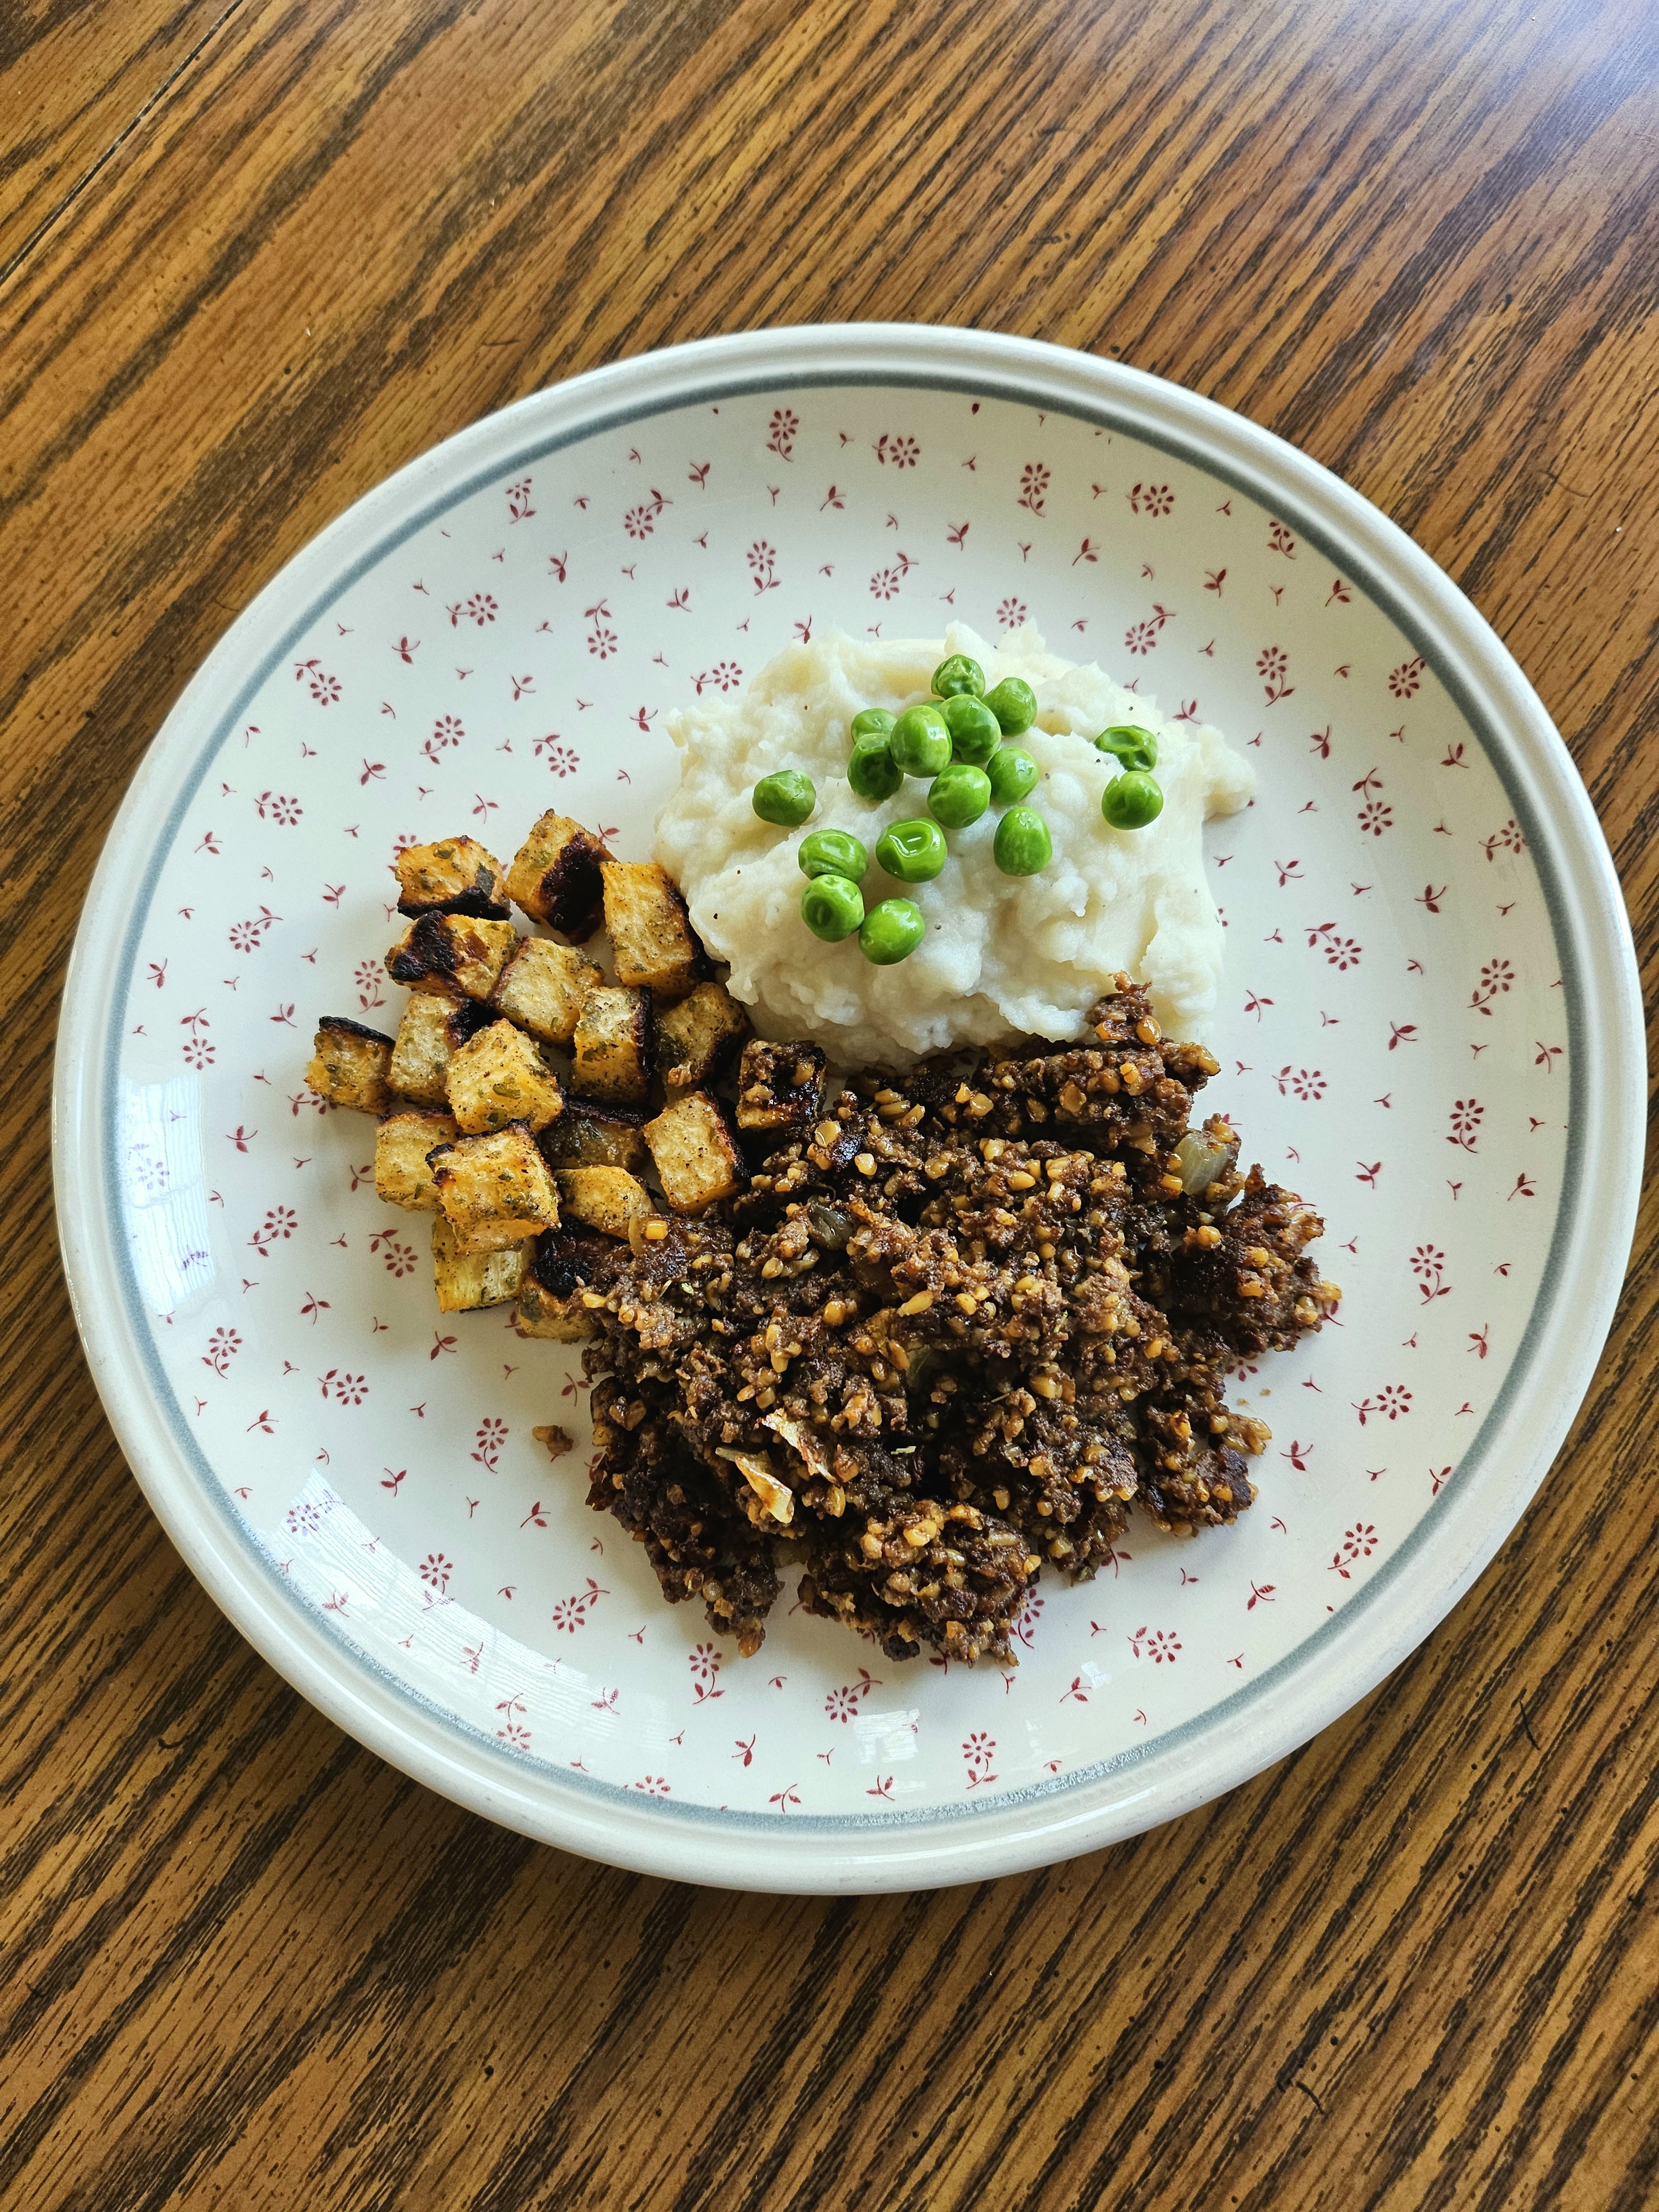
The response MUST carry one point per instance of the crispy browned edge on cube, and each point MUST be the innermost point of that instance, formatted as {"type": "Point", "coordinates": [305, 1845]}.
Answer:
{"type": "Point", "coordinates": [695, 1151]}
{"type": "Point", "coordinates": [452, 875]}
{"type": "Point", "coordinates": [780, 1086]}
{"type": "Point", "coordinates": [555, 877]}
{"type": "Point", "coordinates": [550, 1303]}
{"type": "Point", "coordinates": [349, 1064]}
{"type": "Point", "coordinates": [435, 1023]}
{"type": "Point", "coordinates": [542, 988]}
{"type": "Point", "coordinates": [697, 1040]}
{"type": "Point", "coordinates": [650, 929]}
{"type": "Point", "coordinates": [403, 1173]}
{"type": "Point", "coordinates": [468, 1279]}
{"type": "Point", "coordinates": [611, 1046]}
{"type": "Point", "coordinates": [596, 1133]}
{"type": "Point", "coordinates": [495, 1189]}
{"type": "Point", "coordinates": [500, 1076]}
{"type": "Point", "coordinates": [460, 951]}
{"type": "Point", "coordinates": [607, 1199]}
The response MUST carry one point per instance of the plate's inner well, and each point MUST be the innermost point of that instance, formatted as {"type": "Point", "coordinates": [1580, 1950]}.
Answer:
{"type": "Point", "coordinates": [1393, 1039]}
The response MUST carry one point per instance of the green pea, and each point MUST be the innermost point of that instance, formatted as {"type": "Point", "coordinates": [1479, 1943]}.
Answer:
{"type": "Point", "coordinates": [832, 907]}
{"type": "Point", "coordinates": [1014, 704]}
{"type": "Point", "coordinates": [833, 852]}
{"type": "Point", "coordinates": [920, 740]}
{"type": "Point", "coordinates": [786, 797]}
{"type": "Point", "coordinates": [891, 931]}
{"type": "Point", "coordinates": [1012, 772]}
{"type": "Point", "coordinates": [958, 794]}
{"type": "Point", "coordinates": [1132, 799]}
{"type": "Point", "coordinates": [1134, 748]}
{"type": "Point", "coordinates": [873, 772]}
{"type": "Point", "coordinates": [871, 722]}
{"type": "Point", "coordinates": [1022, 844]}
{"type": "Point", "coordinates": [915, 852]}
{"type": "Point", "coordinates": [958, 677]}
{"type": "Point", "coordinates": [976, 732]}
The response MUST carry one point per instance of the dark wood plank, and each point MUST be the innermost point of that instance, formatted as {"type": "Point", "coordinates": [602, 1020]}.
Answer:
{"type": "Point", "coordinates": [75, 81]}
{"type": "Point", "coordinates": [242, 1961]}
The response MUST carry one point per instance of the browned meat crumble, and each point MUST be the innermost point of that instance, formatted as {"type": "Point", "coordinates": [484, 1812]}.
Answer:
{"type": "Point", "coordinates": [958, 1322]}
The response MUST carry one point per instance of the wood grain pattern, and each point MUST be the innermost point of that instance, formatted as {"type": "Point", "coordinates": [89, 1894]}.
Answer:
{"type": "Point", "coordinates": [77, 80]}
{"type": "Point", "coordinates": [244, 1963]}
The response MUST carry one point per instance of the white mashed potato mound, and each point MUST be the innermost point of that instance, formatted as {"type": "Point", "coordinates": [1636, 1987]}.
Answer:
{"type": "Point", "coordinates": [1002, 953]}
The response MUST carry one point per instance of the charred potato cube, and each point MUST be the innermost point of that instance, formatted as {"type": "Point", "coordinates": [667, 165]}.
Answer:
{"type": "Point", "coordinates": [550, 1303]}
{"type": "Point", "coordinates": [467, 1279]}
{"type": "Point", "coordinates": [555, 877]}
{"type": "Point", "coordinates": [606, 1198]}
{"type": "Point", "coordinates": [696, 1153]}
{"type": "Point", "coordinates": [403, 1174]}
{"type": "Point", "coordinates": [542, 988]}
{"type": "Point", "coordinates": [349, 1064]}
{"type": "Point", "coordinates": [452, 875]}
{"type": "Point", "coordinates": [780, 1086]}
{"type": "Point", "coordinates": [442, 950]}
{"type": "Point", "coordinates": [500, 1076]}
{"type": "Point", "coordinates": [611, 1045]}
{"type": "Point", "coordinates": [434, 1026]}
{"type": "Point", "coordinates": [592, 1133]}
{"type": "Point", "coordinates": [651, 933]}
{"type": "Point", "coordinates": [697, 1039]}
{"type": "Point", "coordinates": [495, 1189]}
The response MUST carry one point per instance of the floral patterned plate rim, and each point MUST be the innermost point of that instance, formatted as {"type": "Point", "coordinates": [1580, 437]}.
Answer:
{"type": "Point", "coordinates": [995, 455]}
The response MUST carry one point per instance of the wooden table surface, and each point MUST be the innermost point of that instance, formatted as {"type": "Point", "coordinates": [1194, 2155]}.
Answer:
{"type": "Point", "coordinates": [253, 255]}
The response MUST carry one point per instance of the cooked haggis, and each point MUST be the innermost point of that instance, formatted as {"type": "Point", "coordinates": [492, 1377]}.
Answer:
{"type": "Point", "coordinates": [948, 1335]}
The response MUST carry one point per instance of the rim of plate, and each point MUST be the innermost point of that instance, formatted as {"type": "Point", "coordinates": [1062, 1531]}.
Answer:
{"type": "Point", "coordinates": [1572, 1310]}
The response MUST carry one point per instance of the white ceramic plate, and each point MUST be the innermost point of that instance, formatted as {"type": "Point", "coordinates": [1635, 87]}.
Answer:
{"type": "Point", "coordinates": [1430, 1025]}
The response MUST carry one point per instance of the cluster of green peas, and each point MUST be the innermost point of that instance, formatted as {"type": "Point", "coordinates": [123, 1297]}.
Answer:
{"type": "Point", "coordinates": [956, 739]}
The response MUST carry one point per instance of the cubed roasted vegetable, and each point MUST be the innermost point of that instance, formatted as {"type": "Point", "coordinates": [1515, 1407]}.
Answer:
{"type": "Point", "coordinates": [403, 1174]}
{"type": "Point", "coordinates": [453, 875]}
{"type": "Point", "coordinates": [555, 877]}
{"type": "Point", "coordinates": [550, 1303]}
{"type": "Point", "coordinates": [542, 988]}
{"type": "Point", "coordinates": [459, 949]}
{"type": "Point", "coordinates": [651, 933]}
{"type": "Point", "coordinates": [606, 1198]}
{"type": "Point", "coordinates": [500, 1076]}
{"type": "Point", "coordinates": [593, 1132]}
{"type": "Point", "coordinates": [435, 1026]}
{"type": "Point", "coordinates": [697, 1155]}
{"type": "Point", "coordinates": [780, 1086]}
{"type": "Point", "coordinates": [697, 1040]}
{"type": "Point", "coordinates": [349, 1064]}
{"type": "Point", "coordinates": [612, 1043]}
{"type": "Point", "coordinates": [495, 1189]}
{"type": "Point", "coordinates": [466, 1280]}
